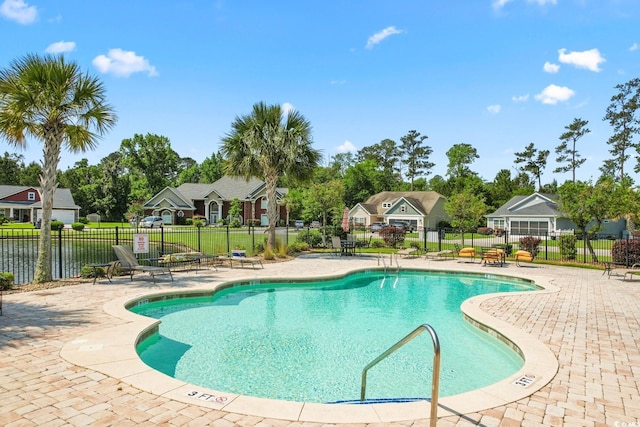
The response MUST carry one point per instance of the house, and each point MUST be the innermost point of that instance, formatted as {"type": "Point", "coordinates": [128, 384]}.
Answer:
{"type": "Point", "coordinates": [418, 208]}
{"type": "Point", "coordinates": [213, 201]}
{"type": "Point", "coordinates": [23, 204]}
{"type": "Point", "coordinates": [539, 215]}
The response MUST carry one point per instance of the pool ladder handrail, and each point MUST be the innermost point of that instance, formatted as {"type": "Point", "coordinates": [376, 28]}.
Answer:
{"type": "Point", "coordinates": [435, 379]}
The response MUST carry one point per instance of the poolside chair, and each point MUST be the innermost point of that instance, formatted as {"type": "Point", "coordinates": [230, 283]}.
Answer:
{"type": "Point", "coordinates": [128, 261]}
{"type": "Point", "coordinates": [439, 255]}
{"type": "Point", "coordinates": [523, 256]}
{"type": "Point", "coordinates": [467, 252]}
{"type": "Point", "coordinates": [336, 245]}
{"type": "Point", "coordinates": [252, 261]}
{"type": "Point", "coordinates": [634, 269]}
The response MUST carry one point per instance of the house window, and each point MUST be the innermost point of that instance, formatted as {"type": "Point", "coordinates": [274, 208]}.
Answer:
{"type": "Point", "coordinates": [31, 196]}
{"type": "Point", "coordinates": [263, 203]}
{"type": "Point", "coordinates": [498, 224]}
{"type": "Point", "coordinates": [403, 208]}
{"type": "Point", "coordinates": [386, 205]}
{"type": "Point", "coordinates": [530, 228]}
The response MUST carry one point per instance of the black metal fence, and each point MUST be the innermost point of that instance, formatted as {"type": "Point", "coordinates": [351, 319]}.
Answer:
{"type": "Point", "coordinates": [71, 250]}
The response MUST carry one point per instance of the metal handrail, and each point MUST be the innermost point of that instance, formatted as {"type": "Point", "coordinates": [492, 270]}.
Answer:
{"type": "Point", "coordinates": [435, 379]}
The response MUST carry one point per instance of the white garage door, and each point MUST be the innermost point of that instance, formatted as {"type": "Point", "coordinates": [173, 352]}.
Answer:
{"type": "Point", "coordinates": [67, 216]}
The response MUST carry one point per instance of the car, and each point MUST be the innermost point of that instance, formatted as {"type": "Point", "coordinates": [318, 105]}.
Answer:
{"type": "Point", "coordinates": [403, 225]}
{"type": "Point", "coordinates": [377, 226]}
{"type": "Point", "coordinates": [151, 221]}
{"type": "Point", "coordinates": [299, 223]}
{"type": "Point", "coordinates": [315, 224]}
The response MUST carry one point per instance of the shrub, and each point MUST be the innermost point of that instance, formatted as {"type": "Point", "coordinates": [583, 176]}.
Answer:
{"type": "Point", "coordinates": [268, 254]}
{"type": "Point", "coordinates": [622, 249]}
{"type": "Point", "coordinates": [312, 237]}
{"type": "Point", "coordinates": [87, 272]}
{"type": "Point", "coordinates": [487, 231]}
{"type": "Point", "coordinates": [6, 280]}
{"type": "Point", "coordinates": [188, 221]}
{"type": "Point", "coordinates": [84, 220]}
{"type": "Point", "coordinates": [235, 223]}
{"type": "Point", "coordinates": [392, 236]}
{"type": "Point", "coordinates": [377, 244]}
{"type": "Point", "coordinates": [567, 243]}
{"type": "Point", "coordinates": [78, 226]}
{"type": "Point", "coordinates": [56, 225]}
{"type": "Point", "coordinates": [530, 244]}
{"type": "Point", "coordinates": [415, 245]}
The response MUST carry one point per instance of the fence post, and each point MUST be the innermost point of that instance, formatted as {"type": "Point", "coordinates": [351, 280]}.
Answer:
{"type": "Point", "coordinates": [228, 242]}
{"type": "Point", "coordinates": [162, 252]}
{"type": "Point", "coordinates": [424, 238]}
{"type": "Point", "coordinates": [440, 237]}
{"type": "Point", "coordinates": [252, 230]}
{"type": "Point", "coordinates": [199, 228]}
{"type": "Point", "coordinates": [117, 235]}
{"type": "Point", "coordinates": [546, 245]}
{"type": "Point", "coordinates": [60, 252]}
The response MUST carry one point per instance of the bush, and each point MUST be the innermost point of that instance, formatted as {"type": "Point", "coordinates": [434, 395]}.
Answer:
{"type": "Point", "coordinates": [487, 231]}
{"type": "Point", "coordinates": [530, 244]}
{"type": "Point", "coordinates": [268, 254]}
{"type": "Point", "coordinates": [78, 226]}
{"type": "Point", "coordinates": [312, 237]}
{"type": "Point", "coordinates": [392, 236]}
{"type": "Point", "coordinates": [87, 272]}
{"type": "Point", "coordinates": [623, 248]}
{"type": "Point", "coordinates": [377, 244]}
{"type": "Point", "coordinates": [567, 243]}
{"type": "Point", "coordinates": [84, 220]}
{"type": "Point", "coordinates": [6, 280]}
{"type": "Point", "coordinates": [235, 223]}
{"type": "Point", "coordinates": [56, 225]}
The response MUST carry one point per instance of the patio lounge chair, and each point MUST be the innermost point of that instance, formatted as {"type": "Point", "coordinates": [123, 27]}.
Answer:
{"type": "Point", "coordinates": [523, 256]}
{"type": "Point", "coordinates": [409, 252]}
{"type": "Point", "coordinates": [128, 261]}
{"type": "Point", "coordinates": [252, 261]}
{"type": "Point", "coordinates": [443, 254]}
{"type": "Point", "coordinates": [635, 269]}
{"type": "Point", "coordinates": [467, 252]}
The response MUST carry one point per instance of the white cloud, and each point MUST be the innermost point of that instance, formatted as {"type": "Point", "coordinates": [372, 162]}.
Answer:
{"type": "Point", "coordinates": [19, 11]}
{"type": "Point", "coordinates": [543, 2]}
{"type": "Point", "coordinates": [337, 82]}
{"type": "Point", "coordinates": [499, 4]}
{"type": "Point", "coordinates": [347, 146]}
{"type": "Point", "coordinates": [122, 63]}
{"type": "Point", "coordinates": [634, 46]}
{"type": "Point", "coordinates": [61, 47]}
{"type": "Point", "coordinates": [494, 109]}
{"type": "Point", "coordinates": [550, 68]}
{"type": "Point", "coordinates": [521, 98]}
{"type": "Point", "coordinates": [287, 108]}
{"type": "Point", "coordinates": [589, 59]}
{"type": "Point", "coordinates": [381, 35]}
{"type": "Point", "coordinates": [553, 94]}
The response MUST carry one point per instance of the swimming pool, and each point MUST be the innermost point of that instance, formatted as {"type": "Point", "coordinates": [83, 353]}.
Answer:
{"type": "Point", "coordinates": [308, 342]}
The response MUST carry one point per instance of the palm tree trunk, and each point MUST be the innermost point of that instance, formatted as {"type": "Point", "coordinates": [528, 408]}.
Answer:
{"type": "Point", "coordinates": [271, 182]}
{"type": "Point", "coordinates": [48, 185]}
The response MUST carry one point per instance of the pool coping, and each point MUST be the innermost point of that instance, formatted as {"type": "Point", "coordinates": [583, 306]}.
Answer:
{"type": "Point", "coordinates": [111, 351]}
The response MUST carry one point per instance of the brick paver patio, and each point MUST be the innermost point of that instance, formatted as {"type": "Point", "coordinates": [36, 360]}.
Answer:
{"type": "Point", "coordinates": [592, 325]}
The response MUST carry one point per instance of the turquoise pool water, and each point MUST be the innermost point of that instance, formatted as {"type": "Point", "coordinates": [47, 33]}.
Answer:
{"type": "Point", "coordinates": [309, 342]}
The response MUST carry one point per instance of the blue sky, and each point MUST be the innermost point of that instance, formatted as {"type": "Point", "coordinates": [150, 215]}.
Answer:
{"type": "Point", "coordinates": [496, 74]}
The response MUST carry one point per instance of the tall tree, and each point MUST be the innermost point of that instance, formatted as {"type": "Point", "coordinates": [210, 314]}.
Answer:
{"type": "Point", "coordinates": [114, 188]}
{"type": "Point", "coordinates": [621, 115]}
{"type": "Point", "coordinates": [416, 155]}
{"type": "Point", "coordinates": [50, 99]}
{"type": "Point", "coordinates": [466, 209]}
{"type": "Point", "coordinates": [324, 200]}
{"type": "Point", "coordinates": [460, 156]}
{"type": "Point", "coordinates": [152, 163]}
{"type": "Point", "coordinates": [269, 144]}
{"type": "Point", "coordinates": [569, 155]}
{"type": "Point", "coordinates": [386, 155]}
{"type": "Point", "coordinates": [362, 181]}
{"type": "Point", "coordinates": [212, 168]}
{"type": "Point", "coordinates": [30, 174]}
{"type": "Point", "coordinates": [10, 165]}
{"type": "Point", "coordinates": [534, 161]}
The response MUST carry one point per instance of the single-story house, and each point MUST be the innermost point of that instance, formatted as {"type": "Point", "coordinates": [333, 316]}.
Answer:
{"type": "Point", "coordinates": [24, 204]}
{"type": "Point", "coordinates": [213, 201]}
{"type": "Point", "coordinates": [418, 208]}
{"type": "Point", "coordinates": [539, 215]}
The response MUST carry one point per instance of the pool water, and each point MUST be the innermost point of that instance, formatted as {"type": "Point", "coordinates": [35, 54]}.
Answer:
{"type": "Point", "coordinates": [309, 342]}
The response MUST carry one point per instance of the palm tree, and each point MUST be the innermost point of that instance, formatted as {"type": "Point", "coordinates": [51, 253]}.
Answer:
{"type": "Point", "coordinates": [269, 144]}
{"type": "Point", "coordinates": [49, 99]}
